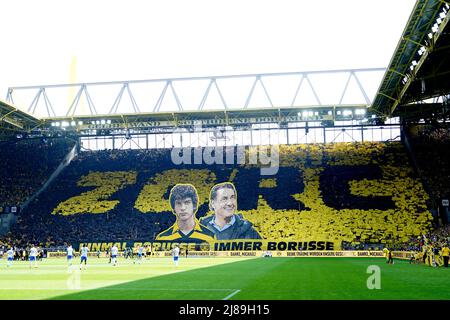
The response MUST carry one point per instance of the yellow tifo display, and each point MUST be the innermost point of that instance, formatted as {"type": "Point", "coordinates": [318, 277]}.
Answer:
{"type": "Point", "coordinates": [409, 218]}
{"type": "Point", "coordinates": [95, 201]}
{"type": "Point", "coordinates": [268, 183]}
{"type": "Point", "coordinates": [325, 223]}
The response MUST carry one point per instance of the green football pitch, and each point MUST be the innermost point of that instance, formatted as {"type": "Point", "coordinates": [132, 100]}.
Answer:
{"type": "Point", "coordinates": [223, 278]}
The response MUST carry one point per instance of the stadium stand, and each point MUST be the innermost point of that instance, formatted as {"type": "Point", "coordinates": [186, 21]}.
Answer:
{"type": "Point", "coordinates": [355, 193]}
{"type": "Point", "coordinates": [26, 165]}
{"type": "Point", "coordinates": [431, 147]}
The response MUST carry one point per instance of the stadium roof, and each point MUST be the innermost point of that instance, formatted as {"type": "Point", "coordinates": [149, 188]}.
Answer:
{"type": "Point", "coordinates": [237, 101]}
{"type": "Point", "coordinates": [280, 98]}
{"type": "Point", "coordinates": [324, 88]}
{"type": "Point", "coordinates": [420, 66]}
{"type": "Point", "coordinates": [13, 120]}
{"type": "Point", "coordinates": [418, 70]}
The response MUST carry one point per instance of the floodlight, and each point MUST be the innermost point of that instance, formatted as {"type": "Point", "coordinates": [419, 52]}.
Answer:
{"type": "Point", "coordinates": [347, 112]}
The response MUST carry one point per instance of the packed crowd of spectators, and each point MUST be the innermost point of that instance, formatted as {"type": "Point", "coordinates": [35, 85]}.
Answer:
{"type": "Point", "coordinates": [438, 237]}
{"type": "Point", "coordinates": [26, 165]}
{"type": "Point", "coordinates": [360, 193]}
{"type": "Point", "coordinates": [431, 147]}
{"type": "Point", "coordinates": [40, 222]}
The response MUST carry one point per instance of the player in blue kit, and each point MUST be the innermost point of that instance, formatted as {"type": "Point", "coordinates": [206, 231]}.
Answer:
{"type": "Point", "coordinates": [139, 255]}
{"type": "Point", "coordinates": [114, 253]}
{"type": "Point", "coordinates": [10, 257]}
{"type": "Point", "coordinates": [69, 256]}
{"type": "Point", "coordinates": [33, 255]}
{"type": "Point", "coordinates": [84, 255]}
{"type": "Point", "coordinates": [175, 254]}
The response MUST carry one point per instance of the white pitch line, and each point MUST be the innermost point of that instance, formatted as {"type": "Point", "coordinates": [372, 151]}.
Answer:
{"type": "Point", "coordinates": [114, 289]}
{"type": "Point", "coordinates": [162, 289]}
{"type": "Point", "coordinates": [230, 295]}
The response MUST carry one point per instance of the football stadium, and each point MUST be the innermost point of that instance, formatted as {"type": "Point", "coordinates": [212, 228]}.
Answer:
{"type": "Point", "coordinates": [300, 185]}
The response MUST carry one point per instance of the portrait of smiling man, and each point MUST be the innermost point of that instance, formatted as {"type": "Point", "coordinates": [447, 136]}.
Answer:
{"type": "Point", "coordinates": [226, 223]}
{"type": "Point", "coordinates": [184, 203]}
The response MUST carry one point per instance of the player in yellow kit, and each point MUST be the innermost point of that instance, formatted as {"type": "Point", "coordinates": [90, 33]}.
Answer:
{"type": "Point", "coordinates": [386, 254]}
{"type": "Point", "coordinates": [445, 253]}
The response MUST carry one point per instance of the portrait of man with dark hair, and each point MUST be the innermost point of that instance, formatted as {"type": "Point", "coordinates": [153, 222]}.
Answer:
{"type": "Point", "coordinates": [226, 223]}
{"type": "Point", "coordinates": [183, 200]}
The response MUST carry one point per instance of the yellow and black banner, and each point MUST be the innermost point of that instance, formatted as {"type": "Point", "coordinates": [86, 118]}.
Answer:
{"type": "Point", "coordinates": [235, 245]}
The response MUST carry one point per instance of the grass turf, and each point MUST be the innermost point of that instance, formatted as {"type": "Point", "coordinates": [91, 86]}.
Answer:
{"type": "Point", "coordinates": [220, 278]}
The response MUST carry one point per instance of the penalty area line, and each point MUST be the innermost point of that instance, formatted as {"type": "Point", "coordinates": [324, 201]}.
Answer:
{"type": "Point", "coordinates": [232, 294]}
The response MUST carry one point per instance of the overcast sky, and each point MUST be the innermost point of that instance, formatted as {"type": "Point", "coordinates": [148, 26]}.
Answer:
{"type": "Point", "coordinates": [129, 40]}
